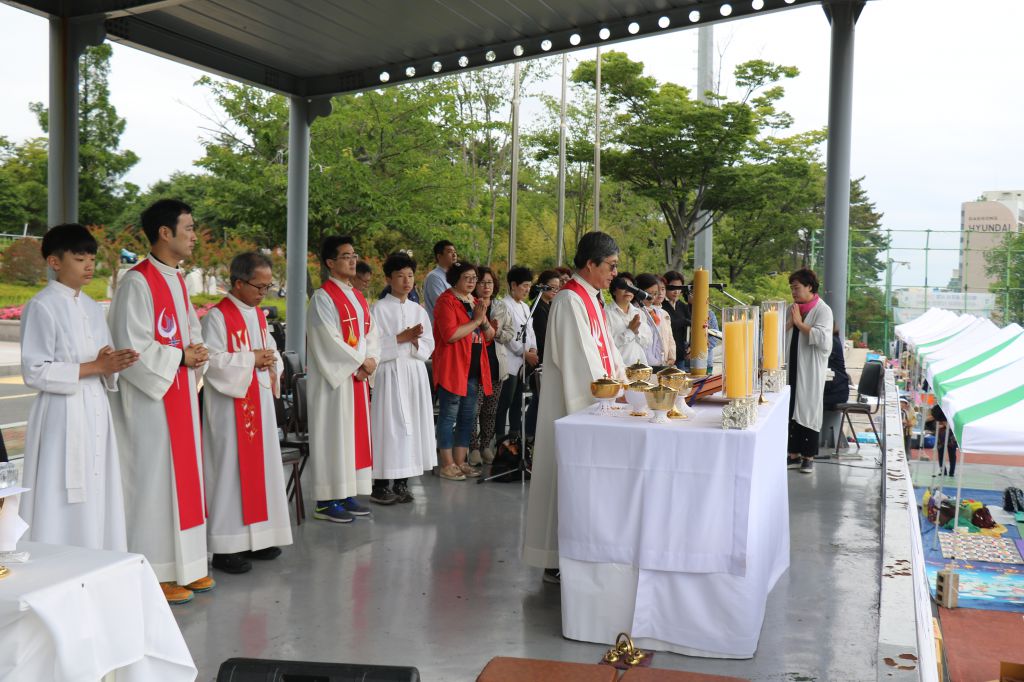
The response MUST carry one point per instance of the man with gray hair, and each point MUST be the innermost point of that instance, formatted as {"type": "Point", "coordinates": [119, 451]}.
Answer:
{"type": "Point", "coordinates": [246, 501]}
{"type": "Point", "coordinates": [578, 349]}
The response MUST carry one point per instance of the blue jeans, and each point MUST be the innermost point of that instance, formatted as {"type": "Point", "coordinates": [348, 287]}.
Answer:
{"type": "Point", "coordinates": [456, 416]}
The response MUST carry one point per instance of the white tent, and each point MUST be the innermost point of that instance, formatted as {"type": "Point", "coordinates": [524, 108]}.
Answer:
{"type": "Point", "coordinates": [934, 317]}
{"type": "Point", "coordinates": [960, 343]}
{"type": "Point", "coordinates": [932, 337]}
{"type": "Point", "coordinates": [987, 414]}
{"type": "Point", "coordinates": [998, 350]}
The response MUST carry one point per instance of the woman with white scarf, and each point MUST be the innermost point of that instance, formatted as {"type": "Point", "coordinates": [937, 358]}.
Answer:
{"type": "Point", "coordinates": [626, 324]}
{"type": "Point", "coordinates": [809, 342]}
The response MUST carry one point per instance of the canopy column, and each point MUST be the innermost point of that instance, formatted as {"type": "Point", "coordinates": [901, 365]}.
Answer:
{"type": "Point", "coordinates": [68, 40]}
{"type": "Point", "coordinates": [303, 112]}
{"type": "Point", "coordinates": [842, 14]}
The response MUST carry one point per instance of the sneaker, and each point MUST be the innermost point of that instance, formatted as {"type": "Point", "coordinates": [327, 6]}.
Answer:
{"type": "Point", "coordinates": [265, 554]}
{"type": "Point", "coordinates": [468, 471]}
{"type": "Point", "coordinates": [383, 496]}
{"type": "Point", "coordinates": [402, 493]}
{"type": "Point", "coordinates": [487, 455]}
{"type": "Point", "coordinates": [232, 563]}
{"type": "Point", "coordinates": [353, 507]}
{"type": "Point", "coordinates": [332, 511]}
{"type": "Point", "coordinates": [452, 473]}
{"type": "Point", "coordinates": [792, 462]}
{"type": "Point", "coordinates": [474, 458]}
{"type": "Point", "coordinates": [202, 585]}
{"type": "Point", "coordinates": [176, 594]}
{"type": "Point", "coordinates": [807, 465]}
{"type": "Point", "coordinates": [552, 576]}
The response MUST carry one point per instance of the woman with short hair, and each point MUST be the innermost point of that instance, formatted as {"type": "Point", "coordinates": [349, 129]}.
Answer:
{"type": "Point", "coordinates": [809, 343]}
{"type": "Point", "coordinates": [461, 329]}
{"type": "Point", "coordinates": [625, 323]}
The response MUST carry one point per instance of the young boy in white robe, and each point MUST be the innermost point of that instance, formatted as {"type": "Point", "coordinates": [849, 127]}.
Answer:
{"type": "Point", "coordinates": [401, 412]}
{"type": "Point", "coordinates": [246, 501]}
{"type": "Point", "coordinates": [71, 461]}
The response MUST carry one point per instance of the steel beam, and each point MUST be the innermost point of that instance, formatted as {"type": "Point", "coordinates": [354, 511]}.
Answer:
{"type": "Point", "coordinates": [842, 14]}
{"type": "Point", "coordinates": [68, 39]}
{"type": "Point", "coordinates": [301, 115]}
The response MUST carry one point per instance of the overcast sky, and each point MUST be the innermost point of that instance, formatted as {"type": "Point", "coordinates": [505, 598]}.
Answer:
{"type": "Point", "coordinates": [936, 120]}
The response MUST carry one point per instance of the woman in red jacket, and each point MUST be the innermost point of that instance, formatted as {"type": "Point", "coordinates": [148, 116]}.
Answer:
{"type": "Point", "coordinates": [460, 365]}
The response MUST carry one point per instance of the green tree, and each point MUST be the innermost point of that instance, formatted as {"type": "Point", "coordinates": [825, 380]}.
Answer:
{"type": "Point", "coordinates": [684, 154]}
{"type": "Point", "coordinates": [23, 186]}
{"type": "Point", "coordinates": [1005, 264]}
{"type": "Point", "coordinates": [102, 191]}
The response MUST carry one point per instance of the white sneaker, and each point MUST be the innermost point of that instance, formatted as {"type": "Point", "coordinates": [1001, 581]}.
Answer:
{"type": "Point", "coordinates": [488, 455]}
{"type": "Point", "coordinates": [474, 458]}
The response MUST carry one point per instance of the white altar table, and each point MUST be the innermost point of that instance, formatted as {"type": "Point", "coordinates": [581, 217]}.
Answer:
{"type": "Point", "coordinates": [675, 533]}
{"type": "Point", "coordinates": [71, 614]}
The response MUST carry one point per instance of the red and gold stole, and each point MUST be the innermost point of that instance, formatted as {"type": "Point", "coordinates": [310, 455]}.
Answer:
{"type": "Point", "coordinates": [177, 400]}
{"type": "Point", "coordinates": [596, 328]}
{"type": "Point", "coordinates": [351, 333]}
{"type": "Point", "coordinates": [248, 418]}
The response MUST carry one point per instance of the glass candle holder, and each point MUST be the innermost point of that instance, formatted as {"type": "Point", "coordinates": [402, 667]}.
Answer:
{"type": "Point", "coordinates": [737, 359]}
{"type": "Point", "coordinates": [773, 334]}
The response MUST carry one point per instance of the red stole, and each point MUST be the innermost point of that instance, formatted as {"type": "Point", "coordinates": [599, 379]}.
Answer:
{"type": "Point", "coordinates": [177, 400]}
{"type": "Point", "coordinates": [248, 418]}
{"type": "Point", "coordinates": [351, 333]}
{"type": "Point", "coordinates": [596, 328]}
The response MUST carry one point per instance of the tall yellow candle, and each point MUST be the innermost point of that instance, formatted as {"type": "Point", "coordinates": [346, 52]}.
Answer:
{"type": "Point", "coordinates": [749, 344]}
{"type": "Point", "coordinates": [700, 363]}
{"type": "Point", "coordinates": [770, 325]}
{"type": "Point", "coordinates": [735, 367]}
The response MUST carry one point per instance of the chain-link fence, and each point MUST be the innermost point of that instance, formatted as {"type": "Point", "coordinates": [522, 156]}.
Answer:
{"type": "Point", "coordinates": [966, 272]}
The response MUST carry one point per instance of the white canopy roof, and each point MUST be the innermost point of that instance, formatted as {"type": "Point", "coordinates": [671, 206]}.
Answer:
{"type": "Point", "coordinates": [997, 350]}
{"type": "Point", "coordinates": [988, 414]}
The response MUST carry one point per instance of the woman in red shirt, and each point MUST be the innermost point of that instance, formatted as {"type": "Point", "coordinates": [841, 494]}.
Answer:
{"type": "Point", "coordinates": [460, 365]}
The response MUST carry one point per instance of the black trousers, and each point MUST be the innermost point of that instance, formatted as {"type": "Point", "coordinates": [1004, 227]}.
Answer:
{"type": "Point", "coordinates": [510, 408]}
{"type": "Point", "coordinates": [802, 440]}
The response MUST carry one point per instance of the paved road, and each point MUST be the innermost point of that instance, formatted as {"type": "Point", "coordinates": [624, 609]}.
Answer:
{"type": "Point", "coordinates": [15, 400]}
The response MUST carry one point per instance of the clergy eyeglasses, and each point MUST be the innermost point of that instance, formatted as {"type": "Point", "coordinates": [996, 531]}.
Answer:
{"type": "Point", "coordinates": [261, 288]}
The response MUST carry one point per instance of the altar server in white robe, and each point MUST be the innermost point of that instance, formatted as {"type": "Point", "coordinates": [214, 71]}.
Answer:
{"type": "Point", "coordinates": [246, 500]}
{"type": "Point", "coordinates": [402, 412]}
{"type": "Point", "coordinates": [156, 410]}
{"type": "Point", "coordinates": [343, 349]}
{"type": "Point", "coordinates": [71, 465]}
{"type": "Point", "coordinates": [578, 349]}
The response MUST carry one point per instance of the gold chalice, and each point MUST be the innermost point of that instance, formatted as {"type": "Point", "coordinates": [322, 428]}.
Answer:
{"type": "Point", "coordinates": [661, 399]}
{"type": "Point", "coordinates": [636, 397]}
{"type": "Point", "coordinates": [681, 382]}
{"type": "Point", "coordinates": [638, 371]}
{"type": "Point", "coordinates": [604, 390]}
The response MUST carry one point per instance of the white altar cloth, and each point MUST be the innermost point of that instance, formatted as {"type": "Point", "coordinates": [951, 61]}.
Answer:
{"type": "Point", "coordinates": [71, 614]}
{"type": "Point", "coordinates": [675, 533]}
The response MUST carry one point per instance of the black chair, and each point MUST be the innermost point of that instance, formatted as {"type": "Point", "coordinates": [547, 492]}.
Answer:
{"type": "Point", "coordinates": [292, 368]}
{"type": "Point", "coordinates": [296, 437]}
{"type": "Point", "coordinates": [256, 670]}
{"type": "Point", "coordinates": [871, 385]}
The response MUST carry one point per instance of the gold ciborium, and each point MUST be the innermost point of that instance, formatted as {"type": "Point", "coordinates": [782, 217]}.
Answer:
{"type": "Point", "coordinates": [638, 371]}
{"type": "Point", "coordinates": [679, 380]}
{"type": "Point", "coordinates": [637, 398]}
{"type": "Point", "coordinates": [660, 399]}
{"type": "Point", "coordinates": [605, 390]}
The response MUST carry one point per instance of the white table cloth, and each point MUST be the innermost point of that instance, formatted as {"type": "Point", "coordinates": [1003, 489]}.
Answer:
{"type": "Point", "coordinates": [73, 614]}
{"type": "Point", "coordinates": [675, 533]}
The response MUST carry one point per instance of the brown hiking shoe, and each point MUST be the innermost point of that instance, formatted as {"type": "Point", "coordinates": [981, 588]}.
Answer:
{"type": "Point", "coordinates": [176, 594]}
{"type": "Point", "coordinates": [202, 585]}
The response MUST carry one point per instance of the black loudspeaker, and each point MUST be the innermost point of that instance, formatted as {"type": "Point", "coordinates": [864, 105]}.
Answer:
{"type": "Point", "coordinates": [257, 670]}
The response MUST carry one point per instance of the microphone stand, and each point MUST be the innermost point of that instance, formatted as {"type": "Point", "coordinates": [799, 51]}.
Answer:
{"type": "Point", "coordinates": [524, 469]}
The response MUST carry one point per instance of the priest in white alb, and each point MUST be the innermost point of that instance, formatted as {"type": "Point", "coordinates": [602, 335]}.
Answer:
{"type": "Point", "coordinates": [156, 409]}
{"type": "Point", "coordinates": [71, 465]}
{"type": "Point", "coordinates": [246, 500]}
{"type": "Point", "coordinates": [402, 412]}
{"type": "Point", "coordinates": [578, 349]}
{"type": "Point", "coordinates": [343, 349]}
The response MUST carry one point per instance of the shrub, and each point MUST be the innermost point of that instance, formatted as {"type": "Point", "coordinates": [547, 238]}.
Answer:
{"type": "Point", "coordinates": [22, 262]}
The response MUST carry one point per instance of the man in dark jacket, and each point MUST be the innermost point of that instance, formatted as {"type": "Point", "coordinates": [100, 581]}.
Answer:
{"type": "Point", "coordinates": [679, 316]}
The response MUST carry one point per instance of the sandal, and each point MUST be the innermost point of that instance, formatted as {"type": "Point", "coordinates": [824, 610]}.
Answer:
{"type": "Point", "coordinates": [452, 472]}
